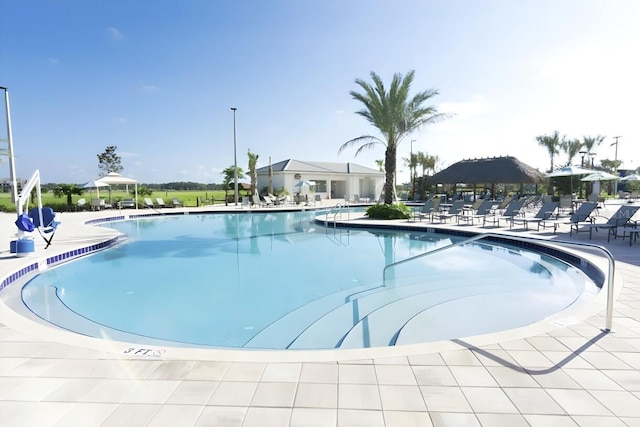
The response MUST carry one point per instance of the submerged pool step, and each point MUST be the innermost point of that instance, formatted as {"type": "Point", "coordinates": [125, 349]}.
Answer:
{"type": "Point", "coordinates": [329, 330]}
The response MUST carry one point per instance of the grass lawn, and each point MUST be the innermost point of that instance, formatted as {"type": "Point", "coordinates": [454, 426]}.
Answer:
{"type": "Point", "coordinates": [188, 198]}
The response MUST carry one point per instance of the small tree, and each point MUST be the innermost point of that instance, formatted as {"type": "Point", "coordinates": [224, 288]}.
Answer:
{"type": "Point", "coordinates": [67, 190]}
{"type": "Point", "coordinates": [253, 173]}
{"type": "Point", "coordinates": [228, 180]}
{"type": "Point", "coordinates": [109, 161]}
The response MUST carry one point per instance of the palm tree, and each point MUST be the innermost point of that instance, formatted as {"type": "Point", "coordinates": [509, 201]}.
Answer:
{"type": "Point", "coordinates": [572, 147]}
{"type": "Point", "coordinates": [67, 190]}
{"type": "Point", "coordinates": [253, 173]}
{"type": "Point", "coordinates": [412, 163]}
{"type": "Point", "coordinates": [394, 115]}
{"type": "Point", "coordinates": [551, 143]}
{"type": "Point", "coordinates": [590, 143]}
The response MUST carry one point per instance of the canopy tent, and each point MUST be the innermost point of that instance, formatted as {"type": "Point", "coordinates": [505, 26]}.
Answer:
{"type": "Point", "coordinates": [113, 178]}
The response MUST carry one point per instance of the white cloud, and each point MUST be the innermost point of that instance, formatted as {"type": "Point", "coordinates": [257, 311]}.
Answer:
{"type": "Point", "coordinates": [127, 154]}
{"type": "Point", "coordinates": [476, 106]}
{"type": "Point", "coordinates": [115, 34]}
{"type": "Point", "coordinates": [150, 88]}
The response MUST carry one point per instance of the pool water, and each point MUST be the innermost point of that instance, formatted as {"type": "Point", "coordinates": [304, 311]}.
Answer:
{"type": "Point", "coordinates": [281, 281]}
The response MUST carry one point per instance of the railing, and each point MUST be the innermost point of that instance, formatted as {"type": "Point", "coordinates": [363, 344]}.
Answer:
{"type": "Point", "coordinates": [604, 251]}
{"type": "Point", "coordinates": [336, 210]}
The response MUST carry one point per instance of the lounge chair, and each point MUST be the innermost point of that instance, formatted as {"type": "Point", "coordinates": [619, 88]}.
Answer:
{"type": "Point", "coordinates": [127, 203]}
{"type": "Point", "coordinates": [176, 203]}
{"type": "Point", "coordinates": [81, 203]}
{"type": "Point", "coordinates": [513, 210]}
{"type": "Point", "coordinates": [454, 210]}
{"type": "Point", "coordinates": [45, 222]}
{"type": "Point", "coordinates": [544, 213]}
{"type": "Point", "coordinates": [148, 203]}
{"type": "Point", "coordinates": [503, 205]}
{"type": "Point", "coordinates": [428, 209]}
{"type": "Point", "coordinates": [484, 209]}
{"type": "Point", "coordinates": [582, 215]}
{"type": "Point", "coordinates": [160, 202]}
{"type": "Point", "coordinates": [620, 218]}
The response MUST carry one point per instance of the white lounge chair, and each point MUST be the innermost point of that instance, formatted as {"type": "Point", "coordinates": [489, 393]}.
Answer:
{"type": "Point", "coordinates": [148, 203]}
{"type": "Point", "coordinates": [160, 202]}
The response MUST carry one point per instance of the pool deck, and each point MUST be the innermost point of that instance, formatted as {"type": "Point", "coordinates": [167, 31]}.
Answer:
{"type": "Point", "coordinates": [561, 373]}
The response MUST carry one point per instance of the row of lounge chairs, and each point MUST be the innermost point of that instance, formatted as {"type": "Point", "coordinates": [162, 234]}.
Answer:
{"type": "Point", "coordinates": [514, 213]}
{"type": "Point", "coordinates": [159, 203]}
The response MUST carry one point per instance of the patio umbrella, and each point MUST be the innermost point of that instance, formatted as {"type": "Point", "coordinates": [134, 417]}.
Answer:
{"type": "Point", "coordinates": [96, 185]}
{"type": "Point", "coordinates": [303, 184]}
{"type": "Point", "coordinates": [570, 171]}
{"type": "Point", "coordinates": [600, 176]}
{"type": "Point", "coordinates": [632, 177]}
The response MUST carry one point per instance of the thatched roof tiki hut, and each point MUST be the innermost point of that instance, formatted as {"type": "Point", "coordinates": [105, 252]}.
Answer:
{"type": "Point", "coordinates": [491, 171]}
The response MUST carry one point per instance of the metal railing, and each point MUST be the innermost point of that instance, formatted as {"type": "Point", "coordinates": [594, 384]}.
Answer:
{"type": "Point", "coordinates": [604, 251]}
{"type": "Point", "coordinates": [336, 210]}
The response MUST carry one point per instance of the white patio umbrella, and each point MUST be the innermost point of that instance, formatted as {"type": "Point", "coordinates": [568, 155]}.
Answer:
{"type": "Point", "coordinates": [632, 177]}
{"type": "Point", "coordinates": [600, 176]}
{"type": "Point", "coordinates": [96, 185]}
{"type": "Point", "coordinates": [303, 184]}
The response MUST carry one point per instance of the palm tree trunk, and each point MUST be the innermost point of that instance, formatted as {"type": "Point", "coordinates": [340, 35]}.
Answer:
{"type": "Point", "coordinates": [390, 172]}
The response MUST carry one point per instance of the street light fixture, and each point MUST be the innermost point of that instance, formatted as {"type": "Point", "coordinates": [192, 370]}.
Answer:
{"type": "Point", "coordinates": [235, 158]}
{"type": "Point", "coordinates": [582, 153]}
{"type": "Point", "coordinates": [593, 156]}
{"type": "Point", "coordinates": [12, 163]}
{"type": "Point", "coordinates": [615, 183]}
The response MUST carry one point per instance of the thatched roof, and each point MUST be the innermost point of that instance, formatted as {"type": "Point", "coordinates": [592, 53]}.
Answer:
{"type": "Point", "coordinates": [495, 170]}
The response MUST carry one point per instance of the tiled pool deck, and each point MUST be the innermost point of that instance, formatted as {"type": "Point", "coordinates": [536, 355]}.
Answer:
{"type": "Point", "coordinates": [548, 375]}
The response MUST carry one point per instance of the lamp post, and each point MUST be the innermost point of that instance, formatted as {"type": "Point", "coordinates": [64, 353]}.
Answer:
{"type": "Point", "coordinates": [412, 170]}
{"type": "Point", "coordinates": [615, 183]}
{"type": "Point", "coordinates": [582, 153]}
{"type": "Point", "coordinates": [235, 158]}
{"type": "Point", "coordinates": [12, 163]}
{"type": "Point", "coordinates": [593, 156]}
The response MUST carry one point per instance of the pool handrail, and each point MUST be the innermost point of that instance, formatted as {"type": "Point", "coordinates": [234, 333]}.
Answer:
{"type": "Point", "coordinates": [603, 250]}
{"type": "Point", "coordinates": [338, 210]}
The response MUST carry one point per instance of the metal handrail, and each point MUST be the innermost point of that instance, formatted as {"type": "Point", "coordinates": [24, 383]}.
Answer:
{"type": "Point", "coordinates": [603, 250]}
{"type": "Point", "coordinates": [339, 207]}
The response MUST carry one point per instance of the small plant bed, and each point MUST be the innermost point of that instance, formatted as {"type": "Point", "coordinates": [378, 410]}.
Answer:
{"type": "Point", "coordinates": [394, 211]}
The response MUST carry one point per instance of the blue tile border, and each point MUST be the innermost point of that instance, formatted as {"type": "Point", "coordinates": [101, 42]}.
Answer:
{"type": "Point", "coordinates": [56, 259]}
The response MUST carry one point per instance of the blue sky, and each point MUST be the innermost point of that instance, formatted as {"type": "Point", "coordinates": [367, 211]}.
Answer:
{"type": "Point", "coordinates": [157, 79]}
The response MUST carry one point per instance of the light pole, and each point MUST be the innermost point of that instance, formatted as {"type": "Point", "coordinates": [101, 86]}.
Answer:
{"type": "Point", "coordinates": [235, 158]}
{"type": "Point", "coordinates": [615, 183]}
{"type": "Point", "coordinates": [412, 170]}
{"type": "Point", "coordinates": [12, 163]}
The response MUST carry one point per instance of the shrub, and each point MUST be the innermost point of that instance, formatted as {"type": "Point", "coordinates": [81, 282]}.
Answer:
{"type": "Point", "coordinates": [394, 211]}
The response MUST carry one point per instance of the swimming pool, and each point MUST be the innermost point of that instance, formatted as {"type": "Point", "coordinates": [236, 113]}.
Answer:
{"type": "Point", "coordinates": [280, 281]}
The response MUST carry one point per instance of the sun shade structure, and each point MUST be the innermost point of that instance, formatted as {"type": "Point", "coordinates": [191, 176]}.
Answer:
{"type": "Point", "coordinates": [113, 178]}
{"type": "Point", "coordinates": [495, 170]}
